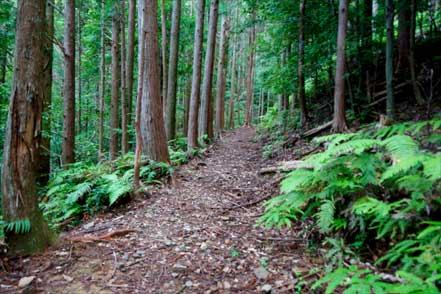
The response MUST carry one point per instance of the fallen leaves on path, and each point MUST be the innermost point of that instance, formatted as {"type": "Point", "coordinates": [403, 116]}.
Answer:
{"type": "Point", "coordinates": [198, 235]}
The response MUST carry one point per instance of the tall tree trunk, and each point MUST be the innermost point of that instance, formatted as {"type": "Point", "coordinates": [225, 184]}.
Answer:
{"type": "Point", "coordinates": [206, 121]}
{"type": "Point", "coordinates": [130, 59]}
{"type": "Point", "coordinates": [404, 19]}
{"type": "Point", "coordinates": [68, 155]}
{"type": "Point", "coordinates": [301, 75]}
{"type": "Point", "coordinates": [366, 48]}
{"type": "Point", "coordinates": [170, 126]}
{"type": "Point", "coordinates": [390, 108]}
{"type": "Point", "coordinates": [45, 147]}
{"type": "Point", "coordinates": [222, 77]}
{"type": "Point", "coordinates": [192, 133]}
{"type": "Point", "coordinates": [187, 96]}
{"type": "Point", "coordinates": [124, 103]}
{"type": "Point", "coordinates": [79, 84]}
{"type": "Point", "coordinates": [412, 66]}
{"type": "Point", "coordinates": [164, 54]}
{"type": "Point", "coordinates": [141, 71]}
{"type": "Point", "coordinates": [152, 121]}
{"type": "Point", "coordinates": [233, 75]}
{"type": "Point", "coordinates": [23, 132]}
{"type": "Point", "coordinates": [102, 82]}
{"type": "Point", "coordinates": [116, 82]}
{"type": "Point", "coordinates": [250, 75]}
{"type": "Point", "coordinates": [339, 124]}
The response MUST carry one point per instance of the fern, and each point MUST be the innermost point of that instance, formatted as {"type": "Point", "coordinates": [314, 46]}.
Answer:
{"type": "Point", "coordinates": [21, 226]}
{"type": "Point", "coordinates": [326, 216]}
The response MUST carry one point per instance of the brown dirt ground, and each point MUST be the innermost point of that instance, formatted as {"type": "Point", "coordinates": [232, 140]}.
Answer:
{"type": "Point", "coordinates": [198, 235]}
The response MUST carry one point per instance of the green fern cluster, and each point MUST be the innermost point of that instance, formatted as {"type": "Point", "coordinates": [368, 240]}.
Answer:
{"type": "Point", "coordinates": [20, 226]}
{"type": "Point", "coordinates": [87, 188]}
{"type": "Point", "coordinates": [381, 184]}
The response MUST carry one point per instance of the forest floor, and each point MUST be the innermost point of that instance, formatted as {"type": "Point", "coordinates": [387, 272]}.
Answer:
{"type": "Point", "coordinates": [198, 235]}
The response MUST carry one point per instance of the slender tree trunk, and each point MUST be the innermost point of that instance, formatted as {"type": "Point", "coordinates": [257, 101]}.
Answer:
{"type": "Point", "coordinates": [187, 96]}
{"type": "Point", "coordinates": [130, 60]}
{"type": "Point", "coordinates": [390, 109]}
{"type": "Point", "coordinates": [170, 126]}
{"type": "Point", "coordinates": [45, 147]}
{"type": "Point", "coordinates": [206, 121]}
{"type": "Point", "coordinates": [412, 66]}
{"type": "Point", "coordinates": [366, 49]}
{"type": "Point", "coordinates": [3, 62]}
{"type": "Point", "coordinates": [164, 54]}
{"type": "Point", "coordinates": [23, 132]}
{"type": "Point", "coordinates": [339, 124]}
{"type": "Point", "coordinates": [222, 76]}
{"type": "Point", "coordinates": [404, 19]}
{"type": "Point", "coordinates": [116, 83]}
{"type": "Point", "coordinates": [233, 78]}
{"type": "Point", "coordinates": [124, 103]}
{"type": "Point", "coordinates": [249, 78]}
{"type": "Point", "coordinates": [80, 52]}
{"type": "Point", "coordinates": [68, 155]}
{"type": "Point", "coordinates": [152, 121]}
{"type": "Point", "coordinates": [142, 19]}
{"type": "Point", "coordinates": [192, 134]}
{"type": "Point", "coordinates": [301, 76]}
{"type": "Point", "coordinates": [102, 82]}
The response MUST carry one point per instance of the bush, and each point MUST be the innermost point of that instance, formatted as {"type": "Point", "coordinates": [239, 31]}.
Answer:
{"type": "Point", "coordinates": [378, 185]}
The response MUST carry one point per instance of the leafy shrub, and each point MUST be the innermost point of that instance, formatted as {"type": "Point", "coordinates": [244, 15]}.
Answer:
{"type": "Point", "coordinates": [372, 185]}
{"type": "Point", "coordinates": [86, 188]}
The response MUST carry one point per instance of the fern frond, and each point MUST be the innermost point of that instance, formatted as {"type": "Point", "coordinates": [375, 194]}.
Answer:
{"type": "Point", "coordinates": [401, 146]}
{"type": "Point", "coordinates": [326, 216]}
{"type": "Point", "coordinates": [296, 179]}
{"type": "Point", "coordinates": [79, 191]}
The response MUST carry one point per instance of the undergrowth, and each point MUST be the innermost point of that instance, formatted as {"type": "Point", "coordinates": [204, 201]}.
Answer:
{"type": "Point", "coordinates": [372, 193]}
{"type": "Point", "coordinates": [85, 189]}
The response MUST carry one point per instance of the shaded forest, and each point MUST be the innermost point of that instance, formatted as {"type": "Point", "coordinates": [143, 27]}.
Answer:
{"type": "Point", "coordinates": [311, 127]}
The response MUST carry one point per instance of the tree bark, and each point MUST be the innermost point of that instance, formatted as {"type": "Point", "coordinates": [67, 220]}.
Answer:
{"type": "Point", "coordinates": [412, 65]}
{"type": "Point", "coordinates": [102, 83]}
{"type": "Point", "coordinates": [206, 121]}
{"type": "Point", "coordinates": [141, 71]}
{"type": "Point", "coordinates": [170, 126]}
{"type": "Point", "coordinates": [249, 78]}
{"type": "Point", "coordinates": [192, 133]}
{"type": "Point", "coordinates": [152, 120]}
{"type": "Point", "coordinates": [79, 84]}
{"type": "Point", "coordinates": [187, 96]}
{"type": "Point", "coordinates": [233, 80]}
{"type": "Point", "coordinates": [404, 19]}
{"type": "Point", "coordinates": [68, 155]}
{"type": "Point", "coordinates": [45, 147]}
{"type": "Point", "coordinates": [164, 54]}
{"type": "Point", "coordinates": [116, 82]}
{"type": "Point", "coordinates": [124, 103]}
{"type": "Point", "coordinates": [390, 108]}
{"type": "Point", "coordinates": [301, 76]}
{"type": "Point", "coordinates": [339, 122]}
{"type": "Point", "coordinates": [222, 76]}
{"type": "Point", "coordinates": [23, 132]}
{"type": "Point", "coordinates": [130, 60]}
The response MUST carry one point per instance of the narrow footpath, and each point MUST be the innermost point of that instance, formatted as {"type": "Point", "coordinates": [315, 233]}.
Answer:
{"type": "Point", "coordinates": [198, 235]}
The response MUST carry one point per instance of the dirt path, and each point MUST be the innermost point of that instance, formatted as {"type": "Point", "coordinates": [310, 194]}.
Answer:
{"type": "Point", "coordinates": [199, 236]}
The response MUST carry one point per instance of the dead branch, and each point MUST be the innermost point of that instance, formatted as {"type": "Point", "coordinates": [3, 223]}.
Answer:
{"type": "Point", "coordinates": [106, 237]}
{"type": "Point", "coordinates": [285, 166]}
{"type": "Point", "coordinates": [317, 129]}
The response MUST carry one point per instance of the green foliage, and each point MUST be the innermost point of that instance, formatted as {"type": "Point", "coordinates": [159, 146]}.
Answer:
{"type": "Point", "coordinates": [86, 188]}
{"type": "Point", "coordinates": [20, 226]}
{"type": "Point", "coordinates": [371, 184]}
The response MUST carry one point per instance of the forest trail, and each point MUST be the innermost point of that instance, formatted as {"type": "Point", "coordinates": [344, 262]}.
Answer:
{"type": "Point", "coordinates": [197, 236]}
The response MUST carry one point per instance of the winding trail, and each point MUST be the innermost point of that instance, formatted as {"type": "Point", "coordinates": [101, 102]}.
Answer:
{"type": "Point", "coordinates": [196, 236]}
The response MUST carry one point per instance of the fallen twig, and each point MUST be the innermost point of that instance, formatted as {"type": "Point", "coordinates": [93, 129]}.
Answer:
{"type": "Point", "coordinates": [105, 237]}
